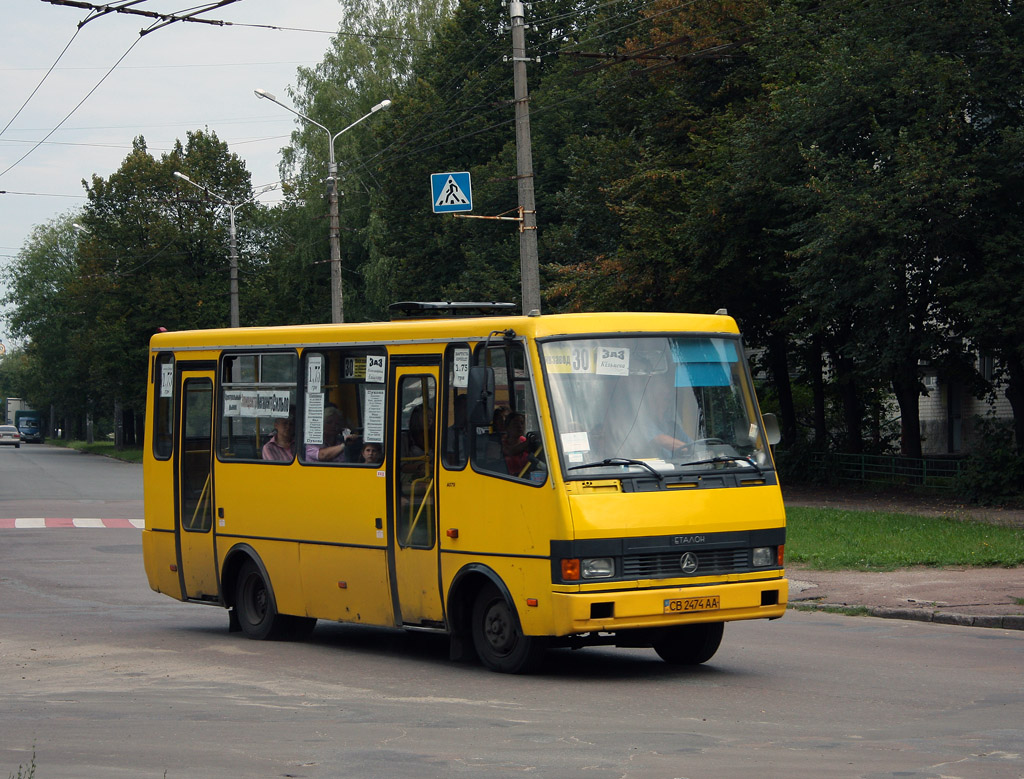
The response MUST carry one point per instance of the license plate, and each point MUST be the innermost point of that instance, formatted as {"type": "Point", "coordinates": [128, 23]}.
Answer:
{"type": "Point", "coordinates": [682, 605]}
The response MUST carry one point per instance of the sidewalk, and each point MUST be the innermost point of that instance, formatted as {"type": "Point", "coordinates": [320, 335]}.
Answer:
{"type": "Point", "coordinates": [978, 597]}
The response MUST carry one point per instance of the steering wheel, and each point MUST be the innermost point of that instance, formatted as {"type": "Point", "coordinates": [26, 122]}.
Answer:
{"type": "Point", "coordinates": [709, 442]}
{"type": "Point", "coordinates": [533, 438]}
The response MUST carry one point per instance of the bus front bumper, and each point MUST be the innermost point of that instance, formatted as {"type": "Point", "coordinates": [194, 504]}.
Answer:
{"type": "Point", "coordinates": [616, 611]}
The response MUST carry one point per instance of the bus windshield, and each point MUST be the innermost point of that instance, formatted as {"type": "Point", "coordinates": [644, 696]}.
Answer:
{"type": "Point", "coordinates": [668, 404]}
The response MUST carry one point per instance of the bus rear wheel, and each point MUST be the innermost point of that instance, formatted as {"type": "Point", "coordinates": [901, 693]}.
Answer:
{"type": "Point", "coordinates": [498, 638]}
{"type": "Point", "coordinates": [689, 644]}
{"type": "Point", "coordinates": [254, 605]}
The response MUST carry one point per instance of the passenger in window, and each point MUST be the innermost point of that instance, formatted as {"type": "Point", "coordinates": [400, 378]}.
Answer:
{"type": "Point", "coordinates": [281, 446]}
{"type": "Point", "coordinates": [514, 446]}
{"type": "Point", "coordinates": [499, 419]}
{"type": "Point", "coordinates": [371, 453]}
{"type": "Point", "coordinates": [336, 437]}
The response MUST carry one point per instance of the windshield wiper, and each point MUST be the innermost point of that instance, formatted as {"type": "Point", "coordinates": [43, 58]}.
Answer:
{"type": "Point", "coordinates": [620, 461]}
{"type": "Point", "coordinates": [724, 458]}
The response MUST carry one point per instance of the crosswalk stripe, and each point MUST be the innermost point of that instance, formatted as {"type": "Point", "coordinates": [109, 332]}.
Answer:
{"type": "Point", "coordinates": [30, 523]}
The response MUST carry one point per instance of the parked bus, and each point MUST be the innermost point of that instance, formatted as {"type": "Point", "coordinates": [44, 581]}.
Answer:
{"type": "Point", "coordinates": [534, 481]}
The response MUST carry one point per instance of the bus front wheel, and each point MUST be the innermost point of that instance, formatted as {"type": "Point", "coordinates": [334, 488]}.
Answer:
{"type": "Point", "coordinates": [254, 605]}
{"type": "Point", "coordinates": [497, 637]}
{"type": "Point", "coordinates": [689, 644]}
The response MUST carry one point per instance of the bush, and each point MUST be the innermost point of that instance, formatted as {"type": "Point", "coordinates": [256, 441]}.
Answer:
{"type": "Point", "coordinates": [994, 471]}
{"type": "Point", "coordinates": [797, 464]}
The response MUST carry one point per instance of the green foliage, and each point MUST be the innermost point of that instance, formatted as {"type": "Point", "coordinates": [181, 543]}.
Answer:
{"type": "Point", "coordinates": [17, 375]}
{"type": "Point", "coordinates": [151, 254]}
{"type": "Point", "coordinates": [833, 173]}
{"type": "Point", "coordinates": [830, 539]}
{"type": "Point", "coordinates": [994, 471]}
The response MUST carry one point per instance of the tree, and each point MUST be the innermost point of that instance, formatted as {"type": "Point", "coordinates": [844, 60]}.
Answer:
{"type": "Point", "coordinates": [43, 313]}
{"type": "Point", "coordinates": [369, 60]}
{"type": "Point", "coordinates": [881, 101]}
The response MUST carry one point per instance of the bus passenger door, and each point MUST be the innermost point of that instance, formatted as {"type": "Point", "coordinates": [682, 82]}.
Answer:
{"type": "Point", "coordinates": [412, 544]}
{"type": "Point", "coordinates": [194, 489]}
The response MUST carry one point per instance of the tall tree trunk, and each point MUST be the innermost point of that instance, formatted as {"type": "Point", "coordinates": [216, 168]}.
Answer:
{"type": "Point", "coordinates": [128, 426]}
{"type": "Point", "coordinates": [853, 409]}
{"type": "Point", "coordinates": [118, 426]}
{"type": "Point", "coordinates": [1015, 394]}
{"type": "Point", "coordinates": [815, 366]}
{"type": "Point", "coordinates": [906, 385]}
{"type": "Point", "coordinates": [778, 357]}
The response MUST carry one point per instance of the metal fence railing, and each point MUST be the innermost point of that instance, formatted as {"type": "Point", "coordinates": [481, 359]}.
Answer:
{"type": "Point", "coordinates": [931, 472]}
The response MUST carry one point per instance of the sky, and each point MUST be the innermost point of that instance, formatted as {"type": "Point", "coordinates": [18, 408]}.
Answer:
{"type": "Point", "coordinates": [185, 76]}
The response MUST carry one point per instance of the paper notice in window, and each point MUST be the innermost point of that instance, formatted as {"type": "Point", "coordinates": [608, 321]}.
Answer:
{"type": "Point", "coordinates": [612, 362]}
{"type": "Point", "coordinates": [314, 425]}
{"type": "Point", "coordinates": [376, 365]}
{"type": "Point", "coordinates": [373, 421]}
{"type": "Point", "coordinates": [314, 373]}
{"type": "Point", "coordinates": [167, 380]}
{"type": "Point", "coordinates": [460, 368]}
{"type": "Point", "coordinates": [575, 442]}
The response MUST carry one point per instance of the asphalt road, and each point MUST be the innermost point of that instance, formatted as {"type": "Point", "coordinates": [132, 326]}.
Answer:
{"type": "Point", "coordinates": [38, 480]}
{"type": "Point", "coordinates": [104, 678]}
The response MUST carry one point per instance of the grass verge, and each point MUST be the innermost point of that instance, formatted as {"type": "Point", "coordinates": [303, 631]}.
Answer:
{"type": "Point", "coordinates": [131, 454]}
{"type": "Point", "coordinates": [832, 539]}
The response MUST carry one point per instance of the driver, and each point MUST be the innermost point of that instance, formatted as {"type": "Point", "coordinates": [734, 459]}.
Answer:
{"type": "Point", "coordinates": [515, 447]}
{"type": "Point", "coordinates": [657, 424]}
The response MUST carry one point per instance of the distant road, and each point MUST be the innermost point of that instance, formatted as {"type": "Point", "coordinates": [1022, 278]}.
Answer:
{"type": "Point", "coordinates": [38, 480]}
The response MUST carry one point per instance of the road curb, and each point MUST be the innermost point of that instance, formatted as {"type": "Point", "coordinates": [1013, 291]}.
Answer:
{"type": "Point", "coordinates": [999, 622]}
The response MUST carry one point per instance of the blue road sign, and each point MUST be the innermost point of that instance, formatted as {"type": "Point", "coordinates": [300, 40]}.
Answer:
{"type": "Point", "coordinates": [451, 192]}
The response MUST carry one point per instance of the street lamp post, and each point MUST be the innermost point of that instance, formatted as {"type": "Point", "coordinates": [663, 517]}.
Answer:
{"type": "Point", "coordinates": [337, 299]}
{"type": "Point", "coordinates": [233, 258]}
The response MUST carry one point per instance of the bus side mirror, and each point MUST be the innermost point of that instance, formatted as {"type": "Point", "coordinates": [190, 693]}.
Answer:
{"type": "Point", "coordinates": [771, 429]}
{"type": "Point", "coordinates": [480, 395]}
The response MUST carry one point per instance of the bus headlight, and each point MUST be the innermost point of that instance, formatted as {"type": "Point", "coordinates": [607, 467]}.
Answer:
{"type": "Point", "coordinates": [764, 556]}
{"type": "Point", "coordinates": [598, 568]}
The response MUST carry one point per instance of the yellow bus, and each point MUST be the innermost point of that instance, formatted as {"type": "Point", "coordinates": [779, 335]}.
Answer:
{"type": "Point", "coordinates": [514, 482]}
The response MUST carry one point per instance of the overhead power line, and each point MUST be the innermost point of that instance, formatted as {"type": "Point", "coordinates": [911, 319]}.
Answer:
{"type": "Point", "coordinates": [72, 111]}
{"type": "Point", "coordinates": [48, 72]}
{"type": "Point", "coordinates": [97, 10]}
{"type": "Point", "coordinates": [163, 19]}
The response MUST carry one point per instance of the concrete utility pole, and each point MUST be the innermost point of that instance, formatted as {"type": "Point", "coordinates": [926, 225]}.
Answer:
{"type": "Point", "coordinates": [529, 267]}
{"type": "Point", "coordinates": [337, 296]}
{"type": "Point", "coordinates": [232, 241]}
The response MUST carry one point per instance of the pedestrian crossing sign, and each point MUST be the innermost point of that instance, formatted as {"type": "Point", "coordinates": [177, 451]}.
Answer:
{"type": "Point", "coordinates": [451, 192]}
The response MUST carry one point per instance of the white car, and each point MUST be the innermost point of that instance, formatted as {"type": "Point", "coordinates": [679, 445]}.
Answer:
{"type": "Point", "coordinates": [9, 435]}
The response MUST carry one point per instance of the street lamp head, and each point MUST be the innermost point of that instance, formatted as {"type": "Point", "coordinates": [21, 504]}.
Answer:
{"type": "Point", "coordinates": [183, 177]}
{"type": "Point", "coordinates": [264, 93]}
{"type": "Point", "coordinates": [381, 106]}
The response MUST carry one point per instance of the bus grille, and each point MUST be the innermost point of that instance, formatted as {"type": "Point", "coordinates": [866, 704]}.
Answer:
{"type": "Point", "coordinates": [666, 565]}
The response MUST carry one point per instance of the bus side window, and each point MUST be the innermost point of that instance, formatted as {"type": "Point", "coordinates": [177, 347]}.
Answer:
{"type": "Point", "coordinates": [256, 391]}
{"type": "Point", "coordinates": [510, 445]}
{"type": "Point", "coordinates": [455, 443]}
{"type": "Point", "coordinates": [163, 406]}
{"type": "Point", "coordinates": [343, 407]}
{"type": "Point", "coordinates": [414, 524]}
